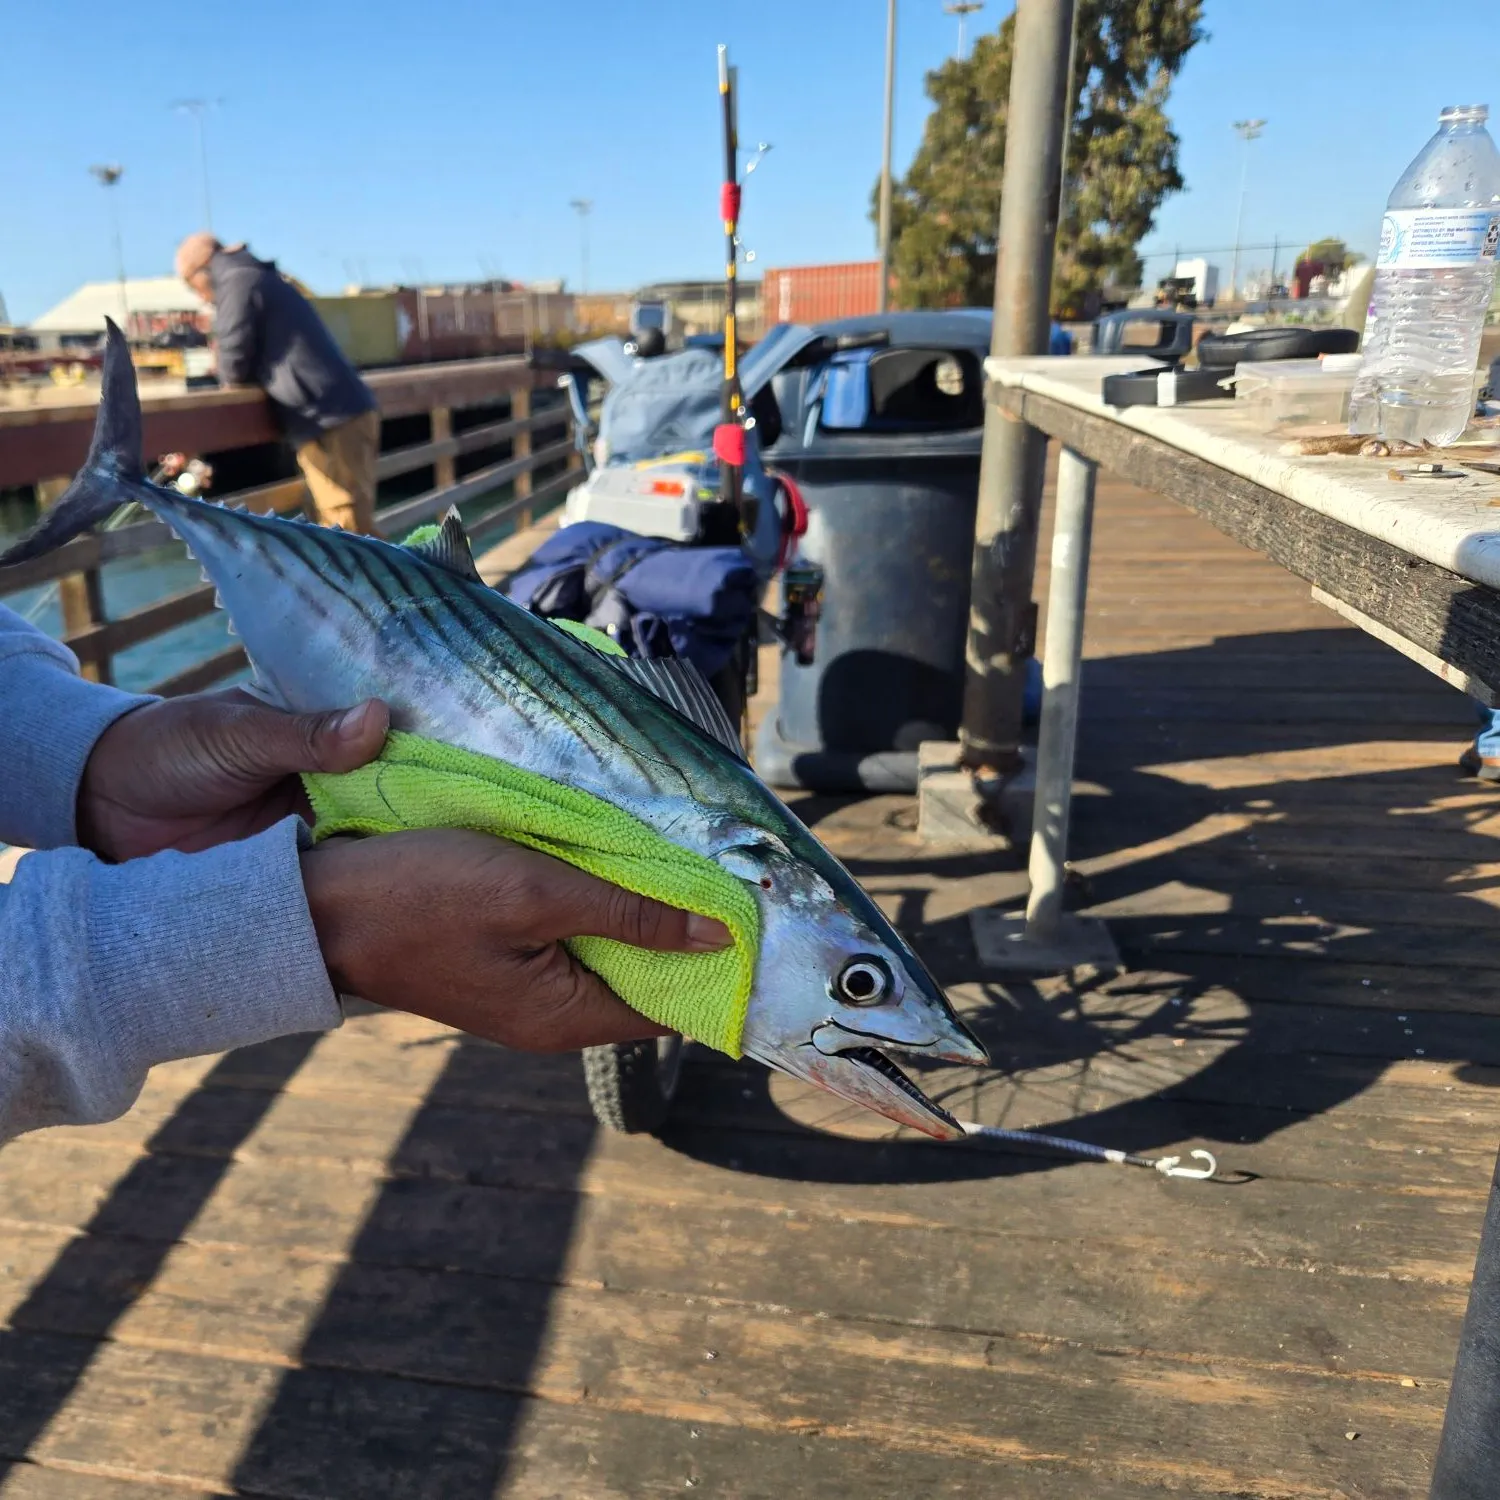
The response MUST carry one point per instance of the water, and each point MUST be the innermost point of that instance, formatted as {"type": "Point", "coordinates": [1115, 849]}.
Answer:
{"type": "Point", "coordinates": [1435, 277]}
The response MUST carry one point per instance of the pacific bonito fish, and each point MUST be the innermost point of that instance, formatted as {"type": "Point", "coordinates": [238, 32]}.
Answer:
{"type": "Point", "coordinates": [329, 617]}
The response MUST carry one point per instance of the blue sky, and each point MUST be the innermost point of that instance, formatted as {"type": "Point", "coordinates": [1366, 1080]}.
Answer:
{"type": "Point", "coordinates": [389, 140]}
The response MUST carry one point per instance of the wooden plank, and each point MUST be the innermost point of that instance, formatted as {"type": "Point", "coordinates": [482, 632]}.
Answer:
{"type": "Point", "coordinates": [44, 441]}
{"type": "Point", "coordinates": [1311, 1129]}
{"type": "Point", "coordinates": [1445, 615]}
{"type": "Point", "coordinates": [419, 455]}
{"type": "Point", "coordinates": [278, 498]}
{"type": "Point", "coordinates": [254, 1299]}
{"type": "Point", "coordinates": [520, 407]}
{"type": "Point", "coordinates": [1212, 1047]}
{"type": "Point", "coordinates": [80, 597]}
{"type": "Point", "coordinates": [1288, 706]}
{"type": "Point", "coordinates": [458, 1189]}
{"type": "Point", "coordinates": [28, 1481]}
{"type": "Point", "coordinates": [543, 496]}
{"type": "Point", "coordinates": [406, 391]}
{"type": "Point", "coordinates": [252, 1429]}
{"type": "Point", "coordinates": [899, 1387]}
{"type": "Point", "coordinates": [444, 474]}
{"type": "Point", "coordinates": [202, 675]}
{"type": "Point", "coordinates": [92, 551]}
{"type": "Point", "coordinates": [85, 552]}
{"type": "Point", "coordinates": [40, 442]}
{"type": "Point", "coordinates": [396, 520]}
{"type": "Point", "coordinates": [106, 639]}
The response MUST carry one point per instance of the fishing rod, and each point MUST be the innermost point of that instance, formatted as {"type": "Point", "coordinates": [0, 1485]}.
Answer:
{"type": "Point", "coordinates": [729, 435]}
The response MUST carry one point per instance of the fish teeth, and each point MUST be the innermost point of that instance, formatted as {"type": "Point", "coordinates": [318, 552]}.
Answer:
{"type": "Point", "coordinates": [218, 600]}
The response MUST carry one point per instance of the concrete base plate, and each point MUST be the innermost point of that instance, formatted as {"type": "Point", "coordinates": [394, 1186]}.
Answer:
{"type": "Point", "coordinates": [1002, 944]}
{"type": "Point", "coordinates": [951, 809]}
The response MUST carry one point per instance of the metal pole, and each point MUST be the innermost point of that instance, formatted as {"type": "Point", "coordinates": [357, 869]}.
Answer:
{"type": "Point", "coordinates": [1247, 130]}
{"type": "Point", "coordinates": [197, 108]}
{"type": "Point", "coordinates": [1239, 221]}
{"type": "Point", "coordinates": [1468, 1458]}
{"type": "Point", "coordinates": [208, 207]}
{"type": "Point", "coordinates": [1067, 135]}
{"type": "Point", "coordinates": [883, 291]}
{"type": "Point", "coordinates": [1061, 668]}
{"type": "Point", "coordinates": [582, 207]}
{"type": "Point", "coordinates": [1002, 617]}
{"type": "Point", "coordinates": [114, 216]}
{"type": "Point", "coordinates": [963, 9]}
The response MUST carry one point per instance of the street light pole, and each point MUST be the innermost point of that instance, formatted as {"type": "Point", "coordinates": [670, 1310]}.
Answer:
{"type": "Point", "coordinates": [196, 108]}
{"type": "Point", "coordinates": [108, 176]}
{"type": "Point", "coordinates": [1247, 130]}
{"type": "Point", "coordinates": [582, 206]}
{"type": "Point", "coordinates": [883, 291]}
{"type": "Point", "coordinates": [963, 9]}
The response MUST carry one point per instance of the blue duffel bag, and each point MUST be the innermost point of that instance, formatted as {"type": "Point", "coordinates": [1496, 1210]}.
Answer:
{"type": "Point", "coordinates": [656, 598]}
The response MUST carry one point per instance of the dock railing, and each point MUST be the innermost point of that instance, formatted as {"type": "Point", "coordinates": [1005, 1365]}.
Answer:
{"type": "Point", "coordinates": [542, 466]}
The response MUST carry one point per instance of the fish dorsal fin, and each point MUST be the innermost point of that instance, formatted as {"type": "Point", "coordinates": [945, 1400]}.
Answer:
{"type": "Point", "coordinates": [680, 685]}
{"type": "Point", "coordinates": [447, 546]}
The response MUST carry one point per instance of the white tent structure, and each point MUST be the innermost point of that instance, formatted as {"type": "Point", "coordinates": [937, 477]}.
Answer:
{"type": "Point", "coordinates": [151, 296]}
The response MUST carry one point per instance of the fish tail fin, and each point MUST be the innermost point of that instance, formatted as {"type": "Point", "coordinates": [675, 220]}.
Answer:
{"type": "Point", "coordinates": [112, 468]}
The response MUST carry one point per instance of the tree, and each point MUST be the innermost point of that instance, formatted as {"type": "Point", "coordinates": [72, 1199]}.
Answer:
{"type": "Point", "coordinates": [1121, 158]}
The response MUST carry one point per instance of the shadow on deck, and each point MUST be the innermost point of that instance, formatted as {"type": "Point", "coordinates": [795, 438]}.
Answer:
{"type": "Point", "coordinates": [394, 1263]}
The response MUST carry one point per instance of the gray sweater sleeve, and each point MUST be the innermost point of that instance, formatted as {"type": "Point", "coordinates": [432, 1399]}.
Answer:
{"type": "Point", "coordinates": [106, 970]}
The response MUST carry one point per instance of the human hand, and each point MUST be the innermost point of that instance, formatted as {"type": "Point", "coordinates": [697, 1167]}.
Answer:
{"type": "Point", "coordinates": [467, 929]}
{"type": "Point", "coordinates": [189, 773]}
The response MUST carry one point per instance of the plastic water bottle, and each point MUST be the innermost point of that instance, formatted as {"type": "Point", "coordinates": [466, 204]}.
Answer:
{"type": "Point", "coordinates": [1435, 274]}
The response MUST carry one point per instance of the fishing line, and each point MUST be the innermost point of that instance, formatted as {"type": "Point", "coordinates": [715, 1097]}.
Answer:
{"type": "Point", "coordinates": [1168, 1166]}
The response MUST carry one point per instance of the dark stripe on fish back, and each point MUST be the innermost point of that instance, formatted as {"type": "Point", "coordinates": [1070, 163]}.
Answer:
{"type": "Point", "coordinates": [470, 609]}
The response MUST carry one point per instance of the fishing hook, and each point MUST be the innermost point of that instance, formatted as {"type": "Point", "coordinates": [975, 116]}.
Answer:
{"type": "Point", "coordinates": [1168, 1166]}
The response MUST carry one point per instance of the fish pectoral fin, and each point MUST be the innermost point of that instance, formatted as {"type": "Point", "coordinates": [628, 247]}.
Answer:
{"type": "Point", "coordinates": [449, 548]}
{"type": "Point", "coordinates": [680, 685]}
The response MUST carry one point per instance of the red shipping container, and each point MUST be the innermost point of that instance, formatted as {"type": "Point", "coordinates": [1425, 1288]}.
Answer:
{"type": "Point", "coordinates": [816, 294]}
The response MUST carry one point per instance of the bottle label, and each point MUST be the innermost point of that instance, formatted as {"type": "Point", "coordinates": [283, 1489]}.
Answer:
{"type": "Point", "coordinates": [1432, 238]}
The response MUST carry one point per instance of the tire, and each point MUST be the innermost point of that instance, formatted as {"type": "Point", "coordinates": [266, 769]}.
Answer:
{"type": "Point", "coordinates": [631, 1084]}
{"type": "Point", "coordinates": [1224, 351]}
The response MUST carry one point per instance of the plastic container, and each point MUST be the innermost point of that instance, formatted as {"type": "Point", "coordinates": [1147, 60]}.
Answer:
{"type": "Point", "coordinates": [1435, 273]}
{"type": "Point", "coordinates": [1297, 392]}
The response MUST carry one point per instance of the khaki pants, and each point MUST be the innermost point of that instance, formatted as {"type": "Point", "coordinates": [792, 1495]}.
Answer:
{"type": "Point", "coordinates": [339, 468]}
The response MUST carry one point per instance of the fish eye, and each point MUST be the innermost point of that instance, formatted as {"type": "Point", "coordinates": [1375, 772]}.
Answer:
{"type": "Point", "coordinates": [863, 981]}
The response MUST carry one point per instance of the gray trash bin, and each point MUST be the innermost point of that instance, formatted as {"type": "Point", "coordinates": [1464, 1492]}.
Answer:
{"type": "Point", "coordinates": [882, 433]}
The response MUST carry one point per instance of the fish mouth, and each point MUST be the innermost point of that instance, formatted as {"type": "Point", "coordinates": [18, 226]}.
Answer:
{"type": "Point", "coordinates": [864, 1075]}
{"type": "Point", "coordinates": [900, 1098]}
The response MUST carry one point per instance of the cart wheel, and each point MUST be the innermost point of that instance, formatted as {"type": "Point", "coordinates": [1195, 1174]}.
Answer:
{"type": "Point", "coordinates": [631, 1084]}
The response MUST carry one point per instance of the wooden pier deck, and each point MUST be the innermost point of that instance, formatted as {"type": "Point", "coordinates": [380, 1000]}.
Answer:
{"type": "Point", "coordinates": [392, 1263]}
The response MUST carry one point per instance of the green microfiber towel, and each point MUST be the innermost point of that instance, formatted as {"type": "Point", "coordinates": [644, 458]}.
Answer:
{"type": "Point", "coordinates": [419, 783]}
